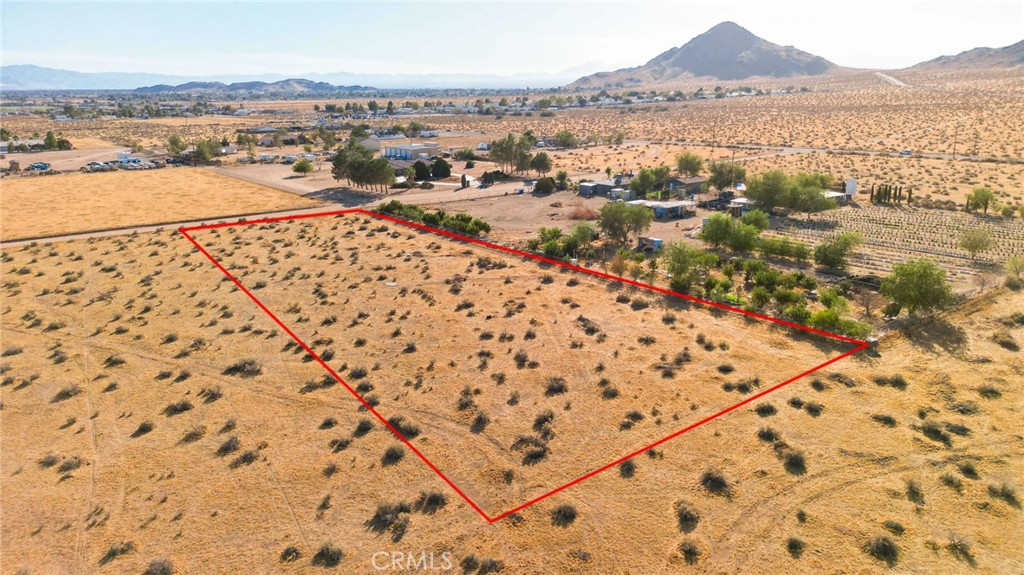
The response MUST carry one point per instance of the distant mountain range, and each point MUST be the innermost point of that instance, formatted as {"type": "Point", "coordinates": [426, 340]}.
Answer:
{"type": "Point", "coordinates": [726, 52]}
{"type": "Point", "coordinates": [730, 52]}
{"type": "Point", "coordinates": [30, 77]}
{"type": "Point", "coordinates": [1005, 57]}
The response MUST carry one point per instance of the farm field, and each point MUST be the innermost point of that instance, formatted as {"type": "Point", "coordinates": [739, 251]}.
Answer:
{"type": "Point", "coordinates": [35, 206]}
{"type": "Point", "coordinates": [131, 416]}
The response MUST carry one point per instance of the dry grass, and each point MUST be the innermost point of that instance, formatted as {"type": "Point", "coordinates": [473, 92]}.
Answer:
{"type": "Point", "coordinates": [48, 205]}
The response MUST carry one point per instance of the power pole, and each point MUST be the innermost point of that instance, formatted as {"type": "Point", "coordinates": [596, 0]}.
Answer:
{"type": "Point", "coordinates": [955, 134]}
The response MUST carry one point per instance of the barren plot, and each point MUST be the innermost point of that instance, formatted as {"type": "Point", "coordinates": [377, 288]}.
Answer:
{"type": "Point", "coordinates": [512, 379]}
{"type": "Point", "coordinates": [50, 205]}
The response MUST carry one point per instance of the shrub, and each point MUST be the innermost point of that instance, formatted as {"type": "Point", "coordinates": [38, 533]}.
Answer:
{"type": "Point", "coordinates": [884, 549]}
{"type": "Point", "coordinates": [67, 392]}
{"type": "Point", "coordinates": [363, 427]}
{"type": "Point", "coordinates": [886, 420]}
{"type": "Point", "coordinates": [914, 493]}
{"type": "Point", "coordinates": [431, 503]}
{"type": "Point", "coordinates": [244, 368]}
{"type": "Point", "coordinates": [794, 462]}
{"type": "Point", "coordinates": [896, 381]}
{"type": "Point", "coordinates": [408, 430]}
{"type": "Point", "coordinates": [159, 567]}
{"type": "Point", "coordinates": [935, 432]}
{"type": "Point", "coordinates": [715, 482]}
{"type": "Point", "coordinates": [795, 547]}
{"type": "Point", "coordinates": [767, 434]}
{"type": "Point", "coordinates": [690, 551]}
{"type": "Point", "coordinates": [246, 458]}
{"type": "Point", "coordinates": [893, 527]}
{"type": "Point", "coordinates": [814, 408]}
{"type": "Point", "coordinates": [1006, 493]}
{"type": "Point", "coordinates": [290, 553]}
{"type": "Point", "coordinates": [194, 434]}
{"type": "Point", "coordinates": [968, 470]}
{"type": "Point", "coordinates": [392, 456]}
{"type": "Point", "coordinates": [952, 481]}
{"type": "Point", "coordinates": [144, 428]}
{"type": "Point", "coordinates": [687, 516]}
{"type": "Point", "coordinates": [556, 386]}
{"type": "Point", "coordinates": [563, 515]}
{"type": "Point", "coordinates": [627, 468]}
{"type": "Point", "coordinates": [116, 550]}
{"type": "Point", "coordinates": [177, 408]}
{"type": "Point", "coordinates": [328, 556]}
{"type": "Point", "coordinates": [765, 410]}
{"type": "Point", "coordinates": [231, 445]}
{"type": "Point", "coordinates": [726, 368]}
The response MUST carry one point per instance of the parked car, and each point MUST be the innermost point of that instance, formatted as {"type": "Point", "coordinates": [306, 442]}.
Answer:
{"type": "Point", "coordinates": [906, 152]}
{"type": "Point", "coordinates": [39, 167]}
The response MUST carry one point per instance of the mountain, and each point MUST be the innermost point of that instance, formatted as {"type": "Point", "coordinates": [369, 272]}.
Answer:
{"type": "Point", "coordinates": [289, 86]}
{"type": "Point", "coordinates": [1005, 57]}
{"type": "Point", "coordinates": [30, 77]}
{"type": "Point", "coordinates": [725, 52]}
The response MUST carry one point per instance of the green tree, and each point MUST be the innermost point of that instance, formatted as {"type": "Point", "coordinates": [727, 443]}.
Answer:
{"type": "Point", "coordinates": [768, 189]}
{"type": "Point", "coordinates": [619, 221]}
{"type": "Point", "coordinates": [726, 174]}
{"type": "Point", "coordinates": [302, 167]}
{"type": "Point", "coordinates": [50, 141]}
{"type": "Point", "coordinates": [689, 164]}
{"type": "Point", "coordinates": [541, 163]}
{"type": "Point", "coordinates": [422, 170]}
{"type": "Point", "coordinates": [917, 285]}
{"type": "Point", "coordinates": [980, 199]}
{"type": "Point", "coordinates": [834, 252]}
{"type": "Point", "coordinates": [440, 169]}
{"type": "Point", "coordinates": [544, 186]}
{"type": "Point", "coordinates": [562, 179]}
{"type": "Point", "coordinates": [175, 145]}
{"type": "Point", "coordinates": [410, 176]}
{"type": "Point", "coordinates": [756, 218]}
{"type": "Point", "coordinates": [643, 183]}
{"type": "Point", "coordinates": [976, 240]}
{"type": "Point", "coordinates": [716, 230]}
{"type": "Point", "coordinates": [566, 139]}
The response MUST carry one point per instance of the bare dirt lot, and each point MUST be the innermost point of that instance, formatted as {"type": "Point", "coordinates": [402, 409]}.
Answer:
{"type": "Point", "coordinates": [56, 204]}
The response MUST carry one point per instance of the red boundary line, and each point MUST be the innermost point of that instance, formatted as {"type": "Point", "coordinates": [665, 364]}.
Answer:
{"type": "Point", "coordinates": [861, 345]}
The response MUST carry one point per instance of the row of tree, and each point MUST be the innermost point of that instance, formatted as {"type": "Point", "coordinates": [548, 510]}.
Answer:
{"type": "Point", "coordinates": [357, 166]}
{"type": "Point", "coordinates": [802, 193]}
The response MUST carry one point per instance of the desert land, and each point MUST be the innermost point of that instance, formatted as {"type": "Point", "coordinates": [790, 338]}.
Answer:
{"type": "Point", "coordinates": [239, 335]}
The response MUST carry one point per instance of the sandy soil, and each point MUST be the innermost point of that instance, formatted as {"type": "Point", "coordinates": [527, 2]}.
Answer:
{"type": "Point", "coordinates": [54, 204]}
{"type": "Point", "coordinates": [156, 304]}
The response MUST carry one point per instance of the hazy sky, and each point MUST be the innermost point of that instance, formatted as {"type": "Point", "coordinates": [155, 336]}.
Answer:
{"type": "Point", "coordinates": [203, 38]}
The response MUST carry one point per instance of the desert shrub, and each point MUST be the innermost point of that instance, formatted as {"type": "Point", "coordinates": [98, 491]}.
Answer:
{"type": "Point", "coordinates": [556, 386]}
{"type": "Point", "coordinates": [886, 420]}
{"type": "Point", "coordinates": [765, 410]}
{"type": "Point", "coordinates": [392, 456]}
{"type": "Point", "coordinates": [159, 567]}
{"type": "Point", "coordinates": [49, 461]}
{"type": "Point", "coordinates": [690, 551]}
{"type": "Point", "coordinates": [246, 458]}
{"type": "Point", "coordinates": [339, 444]}
{"type": "Point", "coordinates": [952, 481]}
{"type": "Point", "coordinates": [116, 550]}
{"type": "Point", "coordinates": [609, 393]}
{"type": "Point", "coordinates": [895, 381]}
{"type": "Point", "coordinates": [363, 427]}
{"type": "Point", "coordinates": [884, 549]}
{"type": "Point", "coordinates": [893, 527]}
{"type": "Point", "coordinates": [794, 462]}
{"type": "Point", "coordinates": [194, 434]}
{"type": "Point", "coordinates": [714, 481]}
{"type": "Point", "coordinates": [814, 408]}
{"type": "Point", "coordinates": [431, 503]}
{"type": "Point", "coordinates": [687, 516]}
{"type": "Point", "coordinates": [67, 392]}
{"type": "Point", "coordinates": [989, 392]}
{"type": "Point", "coordinates": [328, 423]}
{"type": "Point", "coordinates": [143, 428]}
{"type": "Point", "coordinates": [563, 515]}
{"type": "Point", "coordinates": [958, 429]}
{"type": "Point", "coordinates": [768, 434]}
{"type": "Point", "coordinates": [726, 368]}
{"type": "Point", "coordinates": [1005, 492]}
{"type": "Point", "coordinates": [968, 470]}
{"type": "Point", "coordinates": [914, 493]}
{"type": "Point", "coordinates": [1005, 340]}
{"type": "Point", "coordinates": [408, 430]}
{"type": "Point", "coordinates": [70, 464]}
{"type": "Point", "coordinates": [391, 518]}
{"type": "Point", "coordinates": [795, 547]}
{"type": "Point", "coordinates": [795, 403]}
{"type": "Point", "coordinates": [479, 423]}
{"type": "Point", "coordinates": [935, 432]}
{"type": "Point", "coordinates": [627, 469]}
{"type": "Point", "coordinates": [113, 361]}
{"type": "Point", "coordinates": [228, 426]}
{"type": "Point", "coordinates": [290, 553]}
{"type": "Point", "coordinates": [231, 445]}
{"type": "Point", "coordinates": [244, 368]}
{"type": "Point", "coordinates": [328, 556]}
{"type": "Point", "coordinates": [177, 407]}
